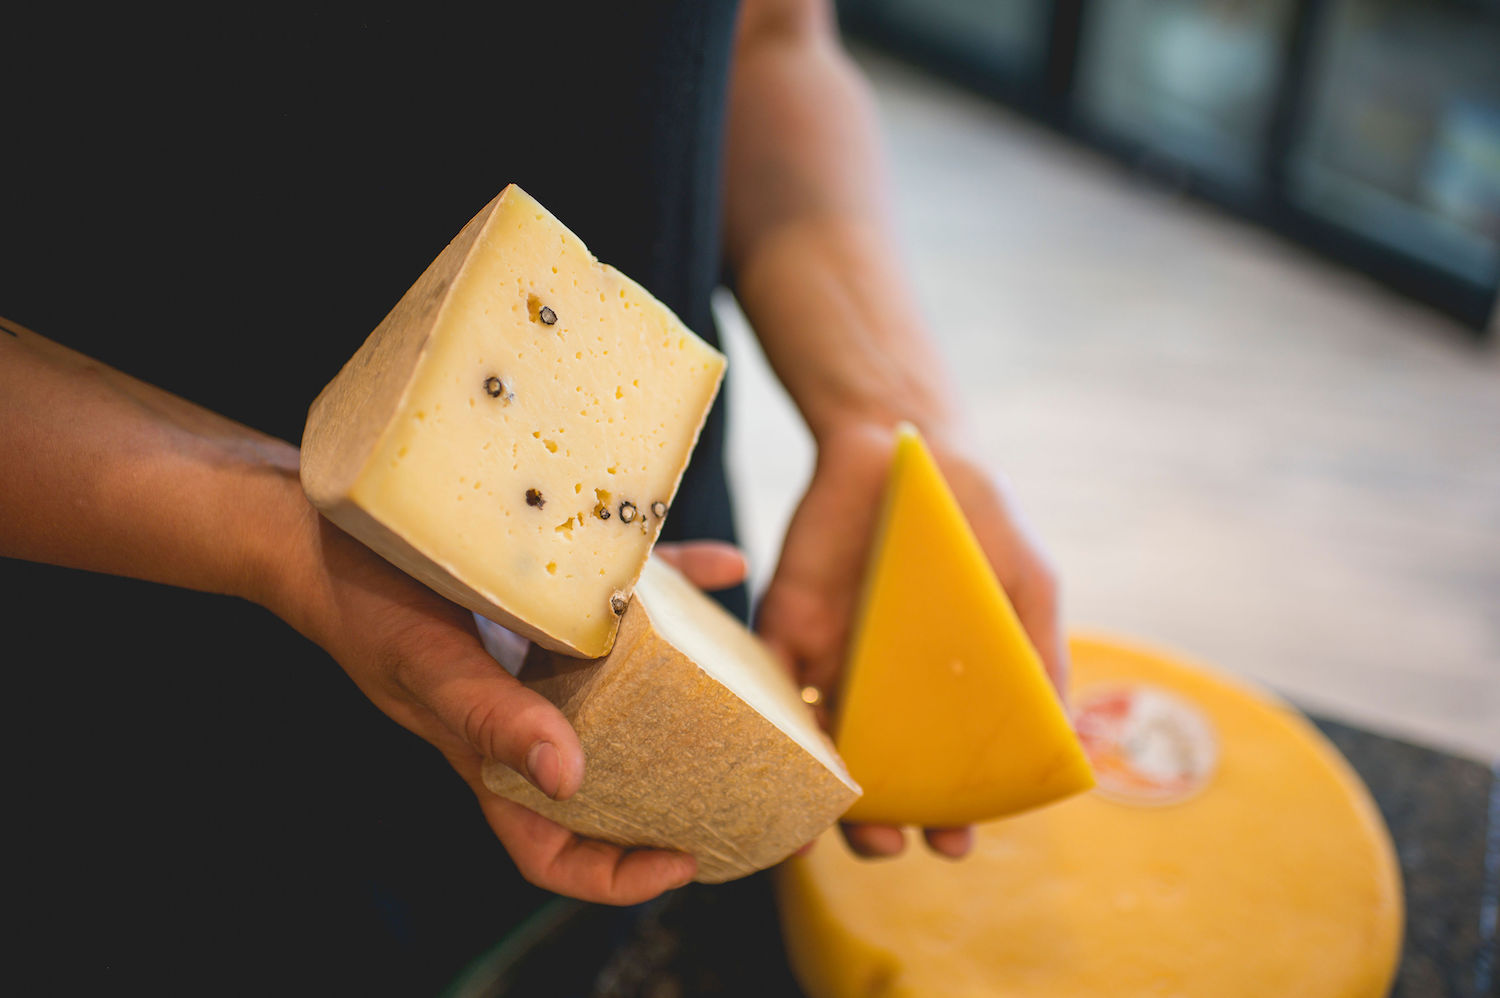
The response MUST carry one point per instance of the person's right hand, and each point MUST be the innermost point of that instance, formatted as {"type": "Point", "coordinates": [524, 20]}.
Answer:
{"type": "Point", "coordinates": [808, 611]}
{"type": "Point", "coordinates": [418, 658]}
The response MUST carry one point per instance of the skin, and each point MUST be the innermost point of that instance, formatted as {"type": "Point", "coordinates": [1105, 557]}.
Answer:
{"type": "Point", "coordinates": [158, 488]}
{"type": "Point", "coordinates": [812, 246]}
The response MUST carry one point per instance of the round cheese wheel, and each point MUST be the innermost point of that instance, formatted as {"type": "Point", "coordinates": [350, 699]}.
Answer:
{"type": "Point", "coordinates": [1228, 851]}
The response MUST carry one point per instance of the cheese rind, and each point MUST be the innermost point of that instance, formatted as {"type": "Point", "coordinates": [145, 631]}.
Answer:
{"type": "Point", "coordinates": [945, 715]}
{"type": "Point", "coordinates": [1275, 877]}
{"type": "Point", "coordinates": [694, 738]}
{"type": "Point", "coordinates": [511, 433]}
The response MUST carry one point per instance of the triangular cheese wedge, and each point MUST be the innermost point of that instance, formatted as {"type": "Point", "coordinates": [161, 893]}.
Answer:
{"type": "Point", "coordinates": [946, 715]}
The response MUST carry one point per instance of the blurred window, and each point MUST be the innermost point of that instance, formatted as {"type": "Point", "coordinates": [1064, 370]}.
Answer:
{"type": "Point", "coordinates": [1011, 34]}
{"type": "Point", "coordinates": [1402, 135]}
{"type": "Point", "coordinates": [1193, 81]}
{"type": "Point", "coordinates": [1369, 129]}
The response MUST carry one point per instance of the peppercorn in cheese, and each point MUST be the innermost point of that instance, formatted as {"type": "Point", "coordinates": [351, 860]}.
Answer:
{"type": "Point", "coordinates": [513, 433]}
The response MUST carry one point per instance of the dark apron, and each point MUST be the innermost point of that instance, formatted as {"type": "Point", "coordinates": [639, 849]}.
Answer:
{"type": "Point", "coordinates": [199, 798]}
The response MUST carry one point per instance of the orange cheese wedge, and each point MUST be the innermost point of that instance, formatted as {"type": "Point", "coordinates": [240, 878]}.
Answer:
{"type": "Point", "coordinates": [946, 715]}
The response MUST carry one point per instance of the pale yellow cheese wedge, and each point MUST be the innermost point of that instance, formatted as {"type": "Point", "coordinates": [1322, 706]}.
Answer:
{"type": "Point", "coordinates": [1230, 852]}
{"type": "Point", "coordinates": [946, 715]}
{"type": "Point", "coordinates": [513, 433]}
{"type": "Point", "coordinates": [694, 738]}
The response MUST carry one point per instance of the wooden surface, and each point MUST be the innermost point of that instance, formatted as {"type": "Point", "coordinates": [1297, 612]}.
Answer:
{"type": "Point", "coordinates": [1233, 448]}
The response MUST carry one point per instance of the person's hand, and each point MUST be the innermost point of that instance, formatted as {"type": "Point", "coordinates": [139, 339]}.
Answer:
{"type": "Point", "coordinates": [418, 657]}
{"type": "Point", "coordinates": [808, 609]}
{"type": "Point", "coordinates": [183, 496]}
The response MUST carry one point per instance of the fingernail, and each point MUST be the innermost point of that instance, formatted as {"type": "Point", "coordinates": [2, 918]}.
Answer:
{"type": "Point", "coordinates": [689, 870]}
{"type": "Point", "coordinates": [544, 768]}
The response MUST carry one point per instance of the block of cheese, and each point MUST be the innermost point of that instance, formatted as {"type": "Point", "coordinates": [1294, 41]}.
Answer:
{"type": "Point", "coordinates": [1229, 851]}
{"type": "Point", "coordinates": [513, 432]}
{"type": "Point", "coordinates": [694, 738]}
{"type": "Point", "coordinates": [945, 715]}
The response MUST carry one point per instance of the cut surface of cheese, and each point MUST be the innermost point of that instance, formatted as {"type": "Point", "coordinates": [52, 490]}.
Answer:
{"type": "Point", "coordinates": [694, 738]}
{"type": "Point", "coordinates": [946, 715]}
{"type": "Point", "coordinates": [1267, 871]}
{"type": "Point", "coordinates": [514, 431]}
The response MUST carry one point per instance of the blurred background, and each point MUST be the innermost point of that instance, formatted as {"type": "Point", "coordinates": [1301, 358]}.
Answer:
{"type": "Point", "coordinates": [1217, 281]}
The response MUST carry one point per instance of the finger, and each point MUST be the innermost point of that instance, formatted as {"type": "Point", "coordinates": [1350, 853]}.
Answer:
{"type": "Point", "coordinates": [805, 632]}
{"type": "Point", "coordinates": [1029, 579]}
{"type": "Point", "coordinates": [782, 652]}
{"type": "Point", "coordinates": [954, 843]}
{"type": "Point", "coordinates": [874, 840]}
{"type": "Point", "coordinates": [1059, 668]}
{"type": "Point", "coordinates": [707, 564]}
{"type": "Point", "coordinates": [493, 714]}
{"type": "Point", "coordinates": [1036, 602]}
{"type": "Point", "coordinates": [555, 859]}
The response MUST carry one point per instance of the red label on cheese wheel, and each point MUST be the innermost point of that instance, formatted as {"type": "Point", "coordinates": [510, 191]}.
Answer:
{"type": "Point", "coordinates": [1147, 746]}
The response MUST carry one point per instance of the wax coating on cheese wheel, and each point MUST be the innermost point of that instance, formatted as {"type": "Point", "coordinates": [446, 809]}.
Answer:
{"type": "Point", "coordinates": [1259, 867]}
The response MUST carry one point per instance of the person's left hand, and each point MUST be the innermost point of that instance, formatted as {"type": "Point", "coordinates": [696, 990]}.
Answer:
{"type": "Point", "coordinates": [809, 607]}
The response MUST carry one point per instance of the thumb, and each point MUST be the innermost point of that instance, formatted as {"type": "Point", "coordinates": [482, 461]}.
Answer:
{"type": "Point", "coordinates": [500, 719]}
{"type": "Point", "coordinates": [709, 565]}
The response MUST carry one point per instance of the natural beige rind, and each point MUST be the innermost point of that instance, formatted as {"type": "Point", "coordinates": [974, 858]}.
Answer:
{"type": "Point", "coordinates": [674, 758]}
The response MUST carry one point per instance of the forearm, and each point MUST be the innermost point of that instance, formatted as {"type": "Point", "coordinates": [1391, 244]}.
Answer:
{"type": "Point", "coordinates": [809, 234]}
{"type": "Point", "coordinates": [108, 474]}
